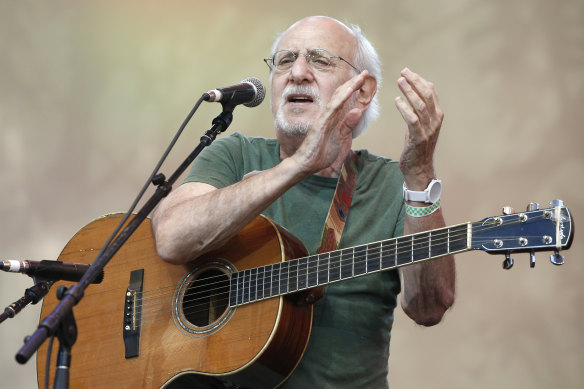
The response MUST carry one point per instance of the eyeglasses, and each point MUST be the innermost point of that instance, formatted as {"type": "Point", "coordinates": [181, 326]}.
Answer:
{"type": "Point", "coordinates": [318, 59]}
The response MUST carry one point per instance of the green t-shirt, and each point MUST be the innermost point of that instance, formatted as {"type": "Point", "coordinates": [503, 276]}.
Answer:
{"type": "Point", "coordinates": [349, 343]}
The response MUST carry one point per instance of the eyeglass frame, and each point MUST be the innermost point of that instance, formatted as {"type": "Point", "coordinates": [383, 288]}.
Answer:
{"type": "Point", "coordinates": [273, 66]}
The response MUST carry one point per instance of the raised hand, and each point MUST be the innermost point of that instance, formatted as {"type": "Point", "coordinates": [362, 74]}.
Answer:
{"type": "Point", "coordinates": [330, 137]}
{"type": "Point", "coordinates": [424, 117]}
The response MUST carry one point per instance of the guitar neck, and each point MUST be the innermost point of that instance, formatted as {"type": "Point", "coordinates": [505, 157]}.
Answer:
{"type": "Point", "coordinates": [321, 269]}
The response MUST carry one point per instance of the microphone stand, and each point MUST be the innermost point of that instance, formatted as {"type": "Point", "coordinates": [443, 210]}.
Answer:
{"type": "Point", "coordinates": [62, 315]}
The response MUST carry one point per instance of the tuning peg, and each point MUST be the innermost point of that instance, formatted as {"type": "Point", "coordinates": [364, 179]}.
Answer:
{"type": "Point", "coordinates": [532, 259]}
{"type": "Point", "coordinates": [508, 262]}
{"type": "Point", "coordinates": [507, 210]}
{"type": "Point", "coordinates": [557, 259]}
{"type": "Point", "coordinates": [557, 203]}
{"type": "Point", "coordinates": [532, 207]}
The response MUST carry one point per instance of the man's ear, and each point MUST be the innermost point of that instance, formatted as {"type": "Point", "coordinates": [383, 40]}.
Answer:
{"type": "Point", "coordinates": [367, 91]}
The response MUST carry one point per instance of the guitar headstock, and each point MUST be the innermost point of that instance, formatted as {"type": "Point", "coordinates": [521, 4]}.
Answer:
{"type": "Point", "coordinates": [549, 229]}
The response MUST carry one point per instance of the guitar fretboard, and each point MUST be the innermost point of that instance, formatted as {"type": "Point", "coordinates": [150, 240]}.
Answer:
{"type": "Point", "coordinates": [282, 278]}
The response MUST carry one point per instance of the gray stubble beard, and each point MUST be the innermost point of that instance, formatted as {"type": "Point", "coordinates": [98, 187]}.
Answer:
{"type": "Point", "coordinates": [295, 128]}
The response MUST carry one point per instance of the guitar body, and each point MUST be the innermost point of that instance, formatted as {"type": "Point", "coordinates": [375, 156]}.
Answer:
{"type": "Point", "coordinates": [181, 341]}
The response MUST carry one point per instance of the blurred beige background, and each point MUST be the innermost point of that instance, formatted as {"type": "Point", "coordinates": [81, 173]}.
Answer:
{"type": "Point", "coordinates": [92, 92]}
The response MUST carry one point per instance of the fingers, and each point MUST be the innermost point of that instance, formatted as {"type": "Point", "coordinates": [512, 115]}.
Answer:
{"type": "Point", "coordinates": [423, 116]}
{"type": "Point", "coordinates": [423, 101]}
{"type": "Point", "coordinates": [420, 107]}
{"type": "Point", "coordinates": [332, 116]}
{"type": "Point", "coordinates": [330, 136]}
{"type": "Point", "coordinates": [410, 117]}
{"type": "Point", "coordinates": [351, 120]}
{"type": "Point", "coordinates": [345, 91]}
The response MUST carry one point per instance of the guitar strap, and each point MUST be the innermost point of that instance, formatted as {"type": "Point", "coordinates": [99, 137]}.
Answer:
{"type": "Point", "coordinates": [337, 216]}
{"type": "Point", "coordinates": [339, 210]}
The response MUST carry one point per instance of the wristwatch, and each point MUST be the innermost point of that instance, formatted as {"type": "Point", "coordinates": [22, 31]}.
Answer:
{"type": "Point", "coordinates": [430, 195]}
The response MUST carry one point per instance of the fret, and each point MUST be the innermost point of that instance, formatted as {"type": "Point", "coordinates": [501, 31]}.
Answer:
{"type": "Point", "coordinates": [440, 240]}
{"type": "Point", "coordinates": [253, 285]}
{"type": "Point", "coordinates": [268, 281]}
{"type": "Point", "coordinates": [260, 283]}
{"type": "Point", "coordinates": [233, 290]}
{"type": "Point", "coordinates": [404, 250]}
{"type": "Point", "coordinates": [429, 255]}
{"type": "Point", "coordinates": [334, 266]}
{"type": "Point", "coordinates": [302, 273]}
{"type": "Point", "coordinates": [420, 246]}
{"type": "Point", "coordinates": [240, 280]}
{"type": "Point", "coordinates": [275, 279]}
{"type": "Point", "coordinates": [388, 254]}
{"type": "Point", "coordinates": [246, 285]}
{"type": "Point", "coordinates": [312, 271]}
{"type": "Point", "coordinates": [457, 238]}
{"type": "Point", "coordinates": [292, 275]}
{"type": "Point", "coordinates": [359, 260]}
{"type": "Point", "coordinates": [346, 263]}
{"type": "Point", "coordinates": [323, 266]}
{"type": "Point", "coordinates": [284, 273]}
{"type": "Point", "coordinates": [373, 257]}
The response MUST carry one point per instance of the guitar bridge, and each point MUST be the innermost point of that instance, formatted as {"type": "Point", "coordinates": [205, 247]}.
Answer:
{"type": "Point", "coordinates": [133, 313]}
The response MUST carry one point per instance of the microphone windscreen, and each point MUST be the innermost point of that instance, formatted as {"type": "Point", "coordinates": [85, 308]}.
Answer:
{"type": "Point", "coordinates": [260, 94]}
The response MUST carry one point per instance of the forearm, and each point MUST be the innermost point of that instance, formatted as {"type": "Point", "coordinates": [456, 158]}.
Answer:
{"type": "Point", "coordinates": [428, 287]}
{"type": "Point", "coordinates": [192, 221]}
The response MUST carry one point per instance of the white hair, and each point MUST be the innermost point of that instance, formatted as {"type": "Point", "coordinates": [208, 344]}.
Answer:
{"type": "Point", "coordinates": [365, 58]}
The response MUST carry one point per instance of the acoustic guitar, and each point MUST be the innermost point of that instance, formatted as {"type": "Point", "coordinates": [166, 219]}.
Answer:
{"type": "Point", "coordinates": [230, 319]}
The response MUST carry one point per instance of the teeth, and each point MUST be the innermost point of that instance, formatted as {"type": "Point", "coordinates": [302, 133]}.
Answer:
{"type": "Point", "coordinates": [300, 99]}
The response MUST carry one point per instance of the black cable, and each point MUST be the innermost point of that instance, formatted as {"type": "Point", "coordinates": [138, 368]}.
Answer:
{"type": "Point", "coordinates": [204, 97]}
{"type": "Point", "coordinates": [48, 363]}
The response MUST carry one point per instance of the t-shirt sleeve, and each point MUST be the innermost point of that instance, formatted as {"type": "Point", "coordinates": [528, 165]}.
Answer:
{"type": "Point", "coordinates": [219, 164]}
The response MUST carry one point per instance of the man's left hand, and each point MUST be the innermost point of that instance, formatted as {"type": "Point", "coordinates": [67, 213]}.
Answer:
{"type": "Point", "coordinates": [424, 118]}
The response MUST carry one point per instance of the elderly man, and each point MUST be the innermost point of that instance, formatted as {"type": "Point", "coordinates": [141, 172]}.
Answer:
{"type": "Point", "coordinates": [324, 78]}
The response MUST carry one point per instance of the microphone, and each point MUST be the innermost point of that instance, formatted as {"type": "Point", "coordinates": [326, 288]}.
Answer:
{"type": "Point", "coordinates": [50, 270]}
{"type": "Point", "coordinates": [249, 92]}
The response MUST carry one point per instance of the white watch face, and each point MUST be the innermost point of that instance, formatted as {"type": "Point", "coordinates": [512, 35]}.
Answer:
{"type": "Point", "coordinates": [435, 190]}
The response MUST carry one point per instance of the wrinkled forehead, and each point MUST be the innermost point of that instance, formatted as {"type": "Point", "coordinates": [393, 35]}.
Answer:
{"type": "Point", "coordinates": [318, 33]}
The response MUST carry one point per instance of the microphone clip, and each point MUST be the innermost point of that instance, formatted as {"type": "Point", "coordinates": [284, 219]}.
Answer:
{"type": "Point", "coordinates": [32, 295]}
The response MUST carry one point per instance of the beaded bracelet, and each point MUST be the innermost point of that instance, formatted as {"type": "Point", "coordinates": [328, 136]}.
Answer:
{"type": "Point", "coordinates": [422, 211]}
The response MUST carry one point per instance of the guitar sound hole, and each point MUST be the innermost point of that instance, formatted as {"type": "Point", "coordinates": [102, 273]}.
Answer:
{"type": "Point", "coordinates": [207, 298]}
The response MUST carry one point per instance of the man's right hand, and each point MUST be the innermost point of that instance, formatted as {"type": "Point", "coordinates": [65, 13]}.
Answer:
{"type": "Point", "coordinates": [330, 137]}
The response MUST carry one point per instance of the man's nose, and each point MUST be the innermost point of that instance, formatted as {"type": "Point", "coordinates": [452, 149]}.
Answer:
{"type": "Point", "coordinates": [301, 70]}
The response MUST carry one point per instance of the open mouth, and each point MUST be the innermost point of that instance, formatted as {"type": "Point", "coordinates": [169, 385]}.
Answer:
{"type": "Point", "coordinates": [300, 99]}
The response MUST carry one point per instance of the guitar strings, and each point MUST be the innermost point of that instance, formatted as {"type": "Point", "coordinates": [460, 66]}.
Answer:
{"type": "Point", "coordinates": [192, 298]}
{"type": "Point", "coordinates": [357, 259]}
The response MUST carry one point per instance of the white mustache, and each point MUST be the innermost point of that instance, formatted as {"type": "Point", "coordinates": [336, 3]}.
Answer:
{"type": "Point", "coordinates": [306, 90]}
